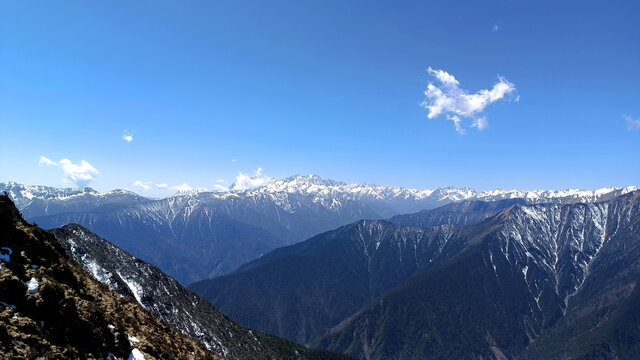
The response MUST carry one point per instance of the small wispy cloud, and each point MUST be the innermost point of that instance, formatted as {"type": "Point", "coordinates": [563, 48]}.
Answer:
{"type": "Point", "coordinates": [46, 161]}
{"type": "Point", "coordinates": [162, 186]}
{"type": "Point", "coordinates": [233, 160]}
{"type": "Point", "coordinates": [144, 185]}
{"type": "Point", "coordinates": [456, 122]}
{"type": "Point", "coordinates": [495, 27]}
{"type": "Point", "coordinates": [80, 174]}
{"type": "Point", "coordinates": [218, 185]}
{"type": "Point", "coordinates": [632, 124]}
{"type": "Point", "coordinates": [480, 123]}
{"type": "Point", "coordinates": [127, 136]}
{"type": "Point", "coordinates": [455, 103]}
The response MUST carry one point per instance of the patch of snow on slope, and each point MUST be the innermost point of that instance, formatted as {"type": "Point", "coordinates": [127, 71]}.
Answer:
{"type": "Point", "coordinates": [98, 272]}
{"type": "Point", "coordinates": [135, 289]}
{"type": "Point", "coordinates": [32, 286]}
{"type": "Point", "coordinates": [136, 355]}
{"type": "Point", "coordinates": [133, 340]}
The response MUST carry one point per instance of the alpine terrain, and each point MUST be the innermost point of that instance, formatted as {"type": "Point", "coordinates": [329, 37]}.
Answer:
{"type": "Point", "coordinates": [540, 281]}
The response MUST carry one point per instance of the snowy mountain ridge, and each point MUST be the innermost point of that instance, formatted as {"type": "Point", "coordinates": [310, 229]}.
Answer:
{"type": "Point", "coordinates": [23, 195]}
{"type": "Point", "coordinates": [323, 189]}
{"type": "Point", "coordinates": [315, 185]}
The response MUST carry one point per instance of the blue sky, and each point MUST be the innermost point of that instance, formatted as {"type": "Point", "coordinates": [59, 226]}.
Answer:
{"type": "Point", "coordinates": [209, 89]}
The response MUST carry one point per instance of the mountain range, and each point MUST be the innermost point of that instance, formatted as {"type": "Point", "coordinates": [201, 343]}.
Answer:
{"type": "Point", "coordinates": [531, 281]}
{"type": "Point", "coordinates": [203, 234]}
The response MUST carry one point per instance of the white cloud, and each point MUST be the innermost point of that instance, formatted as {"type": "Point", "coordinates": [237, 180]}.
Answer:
{"type": "Point", "coordinates": [127, 136]}
{"type": "Point", "coordinates": [146, 185]}
{"type": "Point", "coordinates": [233, 160]}
{"type": "Point", "coordinates": [456, 104]}
{"type": "Point", "coordinates": [220, 181]}
{"type": "Point", "coordinates": [46, 161]}
{"type": "Point", "coordinates": [632, 125]}
{"type": "Point", "coordinates": [495, 28]}
{"type": "Point", "coordinates": [80, 174]}
{"type": "Point", "coordinates": [162, 185]}
{"type": "Point", "coordinates": [247, 182]}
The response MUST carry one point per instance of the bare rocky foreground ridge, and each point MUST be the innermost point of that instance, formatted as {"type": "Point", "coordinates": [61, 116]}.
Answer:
{"type": "Point", "coordinates": [66, 314]}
